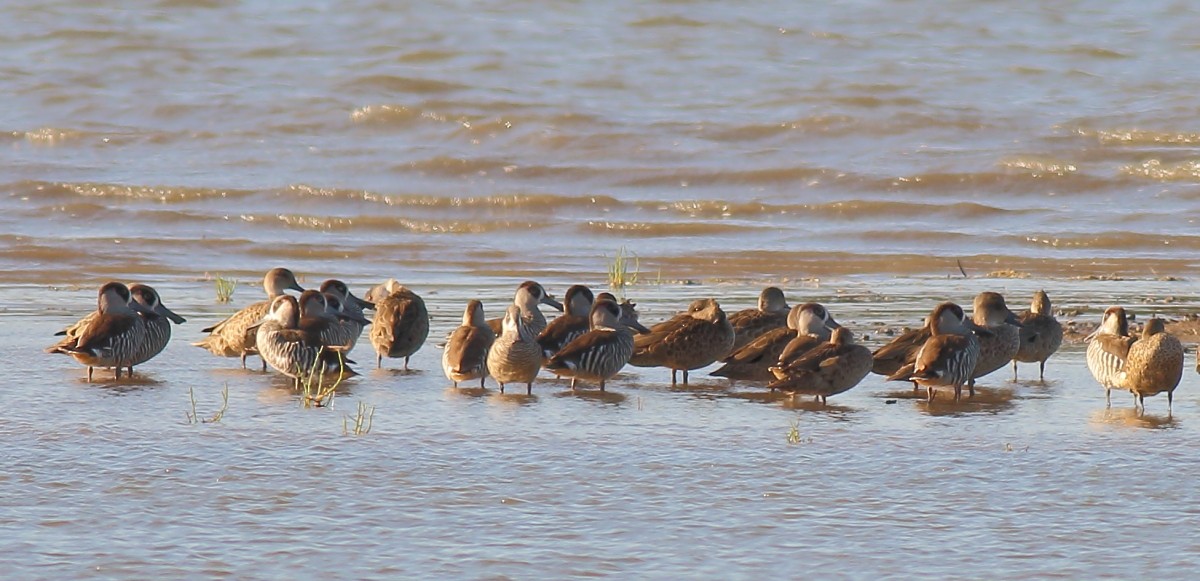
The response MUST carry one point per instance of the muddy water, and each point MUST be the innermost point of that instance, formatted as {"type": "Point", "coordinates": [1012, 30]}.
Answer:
{"type": "Point", "coordinates": [855, 153]}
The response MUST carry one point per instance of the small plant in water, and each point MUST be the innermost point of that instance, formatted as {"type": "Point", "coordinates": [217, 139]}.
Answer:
{"type": "Point", "coordinates": [360, 424]}
{"type": "Point", "coordinates": [314, 392]}
{"type": "Point", "coordinates": [225, 288]}
{"type": "Point", "coordinates": [619, 275]}
{"type": "Point", "coordinates": [793, 435]}
{"type": "Point", "coordinates": [193, 418]}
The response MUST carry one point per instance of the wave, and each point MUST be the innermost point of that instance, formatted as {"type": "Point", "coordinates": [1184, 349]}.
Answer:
{"type": "Point", "coordinates": [1156, 169]}
{"type": "Point", "coordinates": [401, 84]}
{"type": "Point", "coordinates": [1140, 136]}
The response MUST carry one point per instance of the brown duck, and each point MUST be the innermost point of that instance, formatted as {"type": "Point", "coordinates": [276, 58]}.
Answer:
{"type": "Point", "coordinates": [687, 341]}
{"type": "Point", "coordinates": [1041, 334]}
{"type": "Point", "coordinates": [772, 313]}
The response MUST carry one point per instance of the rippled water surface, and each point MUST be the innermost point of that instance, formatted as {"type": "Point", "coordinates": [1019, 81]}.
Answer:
{"type": "Point", "coordinates": [855, 153]}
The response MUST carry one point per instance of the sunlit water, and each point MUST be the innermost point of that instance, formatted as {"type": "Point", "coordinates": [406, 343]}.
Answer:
{"type": "Point", "coordinates": [1027, 479]}
{"type": "Point", "coordinates": [855, 153]}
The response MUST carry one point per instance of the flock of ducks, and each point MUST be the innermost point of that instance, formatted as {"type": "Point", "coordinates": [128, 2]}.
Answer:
{"type": "Point", "coordinates": [799, 350]}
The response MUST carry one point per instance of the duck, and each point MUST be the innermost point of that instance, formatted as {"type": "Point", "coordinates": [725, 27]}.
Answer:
{"type": "Point", "coordinates": [814, 325]}
{"type": "Point", "coordinates": [323, 317]}
{"type": "Point", "coordinates": [158, 326]}
{"type": "Point", "coordinates": [1108, 348]}
{"type": "Point", "coordinates": [828, 369]}
{"type": "Point", "coordinates": [948, 357]}
{"type": "Point", "coordinates": [401, 323]}
{"type": "Point", "coordinates": [772, 313]}
{"type": "Point", "coordinates": [603, 351]}
{"type": "Point", "coordinates": [465, 355]}
{"type": "Point", "coordinates": [296, 352]}
{"type": "Point", "coordinates": [687, 341]}
{"type": "Point", "coordinates": [109, 337]}
{"type": "Point", "coordinates": [527, 298]}
{"type": "Point", "coordinates": [351, 305]}
{"type": "Point", "coordinates": [1154, 364]}
{"type": "Point", "coordinates": [997, 348]}
{"type": "Point", "coordinates": [752, 362]}
{"type": "Point", "coordinates": [577, 302]}
{"type": "Point", "coordinates": [1041, 334]}
{"type": "Point", "coordinates": [232, 337]}
{"type": "Point", "coordinates": [515, 356]}
{"type": "Point", "coordinates": [158, 321]}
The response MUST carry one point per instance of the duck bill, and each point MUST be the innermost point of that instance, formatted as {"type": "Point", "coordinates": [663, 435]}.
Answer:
{"type": "Point", "coordinates": [168, 313]}
{"type": "Point", "coordinates": [362, 304]}
{"type": "Point", "coordinates": [1013, 320]}
{"type": "Point", "coordinates": [549, 300]}
{"type": "Point", "coordinates": [140, 308]}
{"type": "Point", "coordinates": [296, 287]}
{"type": "Point", "coordinates": [832, 324]}
{"type": "Point", "coordinates": [636, 326]}
{"type": "Point", "coordinates": [353, 317]}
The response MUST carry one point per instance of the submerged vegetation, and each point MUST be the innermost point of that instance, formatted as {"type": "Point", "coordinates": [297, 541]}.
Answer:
{"type": "Point", "coordinates": [314, 392]}
{"type": "Point", "coordinates": [360, 424]}
{"type": "Point", "coordinates": [194, 418]}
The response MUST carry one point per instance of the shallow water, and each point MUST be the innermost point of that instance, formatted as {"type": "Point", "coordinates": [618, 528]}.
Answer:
{"type": "Point", "coordinates": [1028, 479]}
{"type": "Point", "coordinates": [855, 153]}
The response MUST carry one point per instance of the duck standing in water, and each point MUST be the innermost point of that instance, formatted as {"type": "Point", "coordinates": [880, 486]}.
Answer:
{"type": "Point", "coordinates": [515, 356]}
{"type": "Point", "coordinates": [948, 357]}
{"type": "Point", "coordinates": [1041, 334]}
{"type": "Point", "coordinates": [998, 347]}
{"type": "Point", "coordinates": [600, 353]}
{"type": "Point", "coordinates": [109, 337]}
{"type": "Point", "coordinates": [296, 352]}
{"type": "Point", "coordinates": [401, 323]}
{"type": "Point", "coordinates": [465, 355]}
{"type": "Point", "coordinates": [1107, 350]}
{"type": "Point", "coordinates": [828, 369]}
{"type": "Point", "coordinates": [234, 337]}
{"type": "Point", "coordinates": [1154, 364]}
{"type": "Point", "coordinates": [687, 341]}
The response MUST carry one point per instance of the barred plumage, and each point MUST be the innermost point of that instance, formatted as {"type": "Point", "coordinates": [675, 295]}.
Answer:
{"type": "Point", "coordinates": [1108, 348]}
{"type": "Point", "coordinates": [948, 358]}
{"type": "Point", "coordinates": [157, 324]}
{"type": "Point", "coordinates": [295, 353]}
{"type": "Point", "coordinates": [235, 336]}
{"type": "Point", "coordinates": [572, 324]}
{"type": "Point", "coordinates": [997, 348]}
{"type": "Point", "coordinates": [110, 336]}
{"type": "Point", "coordinates": [350, 305]}
{"type": "Point", "coordinates": [600, 353]}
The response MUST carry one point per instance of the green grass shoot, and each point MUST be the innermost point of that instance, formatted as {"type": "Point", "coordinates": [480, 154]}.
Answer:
{"type": "Point", "coordinates": [619, 273]}
{"type": "Point", "coordinates": [225, 287]}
